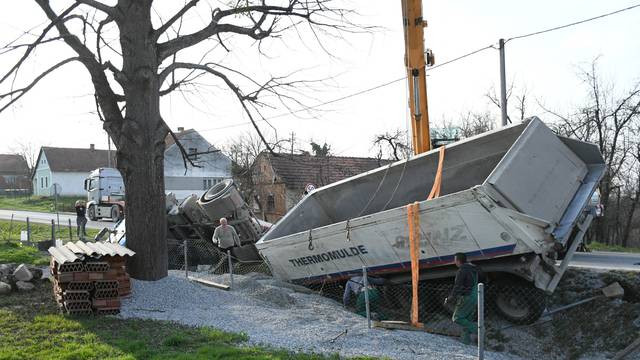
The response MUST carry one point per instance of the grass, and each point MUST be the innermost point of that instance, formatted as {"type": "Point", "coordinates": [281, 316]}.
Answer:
{"type": "Point", "coordinates": [37, 203]}
{"type": "Point", "coordinates": [32, 328]}
{"type": "Point", "coordinates": [615, 248]}
{"type": "Point", "coordinates": [10, 231]}
{"type": "Point", "coordinates": [13, 251]}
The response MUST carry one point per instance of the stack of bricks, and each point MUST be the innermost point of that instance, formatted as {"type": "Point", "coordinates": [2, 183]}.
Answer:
{"type": "Point", "coordinates": [92, 286]}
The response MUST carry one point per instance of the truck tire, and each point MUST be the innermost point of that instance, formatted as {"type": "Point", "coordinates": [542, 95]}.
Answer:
{"type": "Point", "coordinates": [115, 213]}
{"type": "Point", "coordinates": [91, 212]}
{"type": "Point", "coordinates": [518, 301]}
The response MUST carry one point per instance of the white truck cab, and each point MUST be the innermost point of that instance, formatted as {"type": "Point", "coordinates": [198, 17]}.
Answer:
{"type": "Point", "coordinates": [105, 194]}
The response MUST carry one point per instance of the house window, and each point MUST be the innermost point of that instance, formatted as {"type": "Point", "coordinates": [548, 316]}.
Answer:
{"type": "Point", "coordinates": [271, 202]}
{"type": "Point", "coordinates": [42, 183]}
{"type": "Point", "coordinates": [46, 182]}
{"type": "Point", "coordinates": [193, 152]}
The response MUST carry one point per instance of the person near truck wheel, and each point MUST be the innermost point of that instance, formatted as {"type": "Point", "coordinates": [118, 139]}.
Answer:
{"type": "Point", "coordinates": [355, 286]}
{"type": "Point", "coordinates": [81, 219]}
{"type": "Point", "coordinates": [465, 297]}
{"type": "Point", "coordinates": [225, 236]}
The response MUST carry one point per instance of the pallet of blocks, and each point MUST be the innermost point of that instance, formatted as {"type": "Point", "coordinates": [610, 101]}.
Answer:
{"type": "Point", "coordinates": [90, 278]}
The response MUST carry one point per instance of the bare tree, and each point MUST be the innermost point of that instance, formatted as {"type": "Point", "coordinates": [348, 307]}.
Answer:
{"type": "Point", "coordinates": [135, 53]}
{"type": "Point", "coordinates": [392, 145]}
{"type": "Point", "coordinates": [611, 122]}
{"type": "Point", "coordinates": [520, 95]}
{"type": "Point", "coordinates": [29, 152]}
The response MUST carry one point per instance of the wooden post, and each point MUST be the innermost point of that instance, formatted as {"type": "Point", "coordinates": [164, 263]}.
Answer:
{"type": "Point", "coordinates": [28, 231]}
{"type": "Point", "coordinates": [70, 231]}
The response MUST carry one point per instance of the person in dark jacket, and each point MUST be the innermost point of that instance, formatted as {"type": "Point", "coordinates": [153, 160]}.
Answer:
{"type": "Point", "coordinates": [81, 219]}
{"type": "Point", "coordinates": [465, 297]}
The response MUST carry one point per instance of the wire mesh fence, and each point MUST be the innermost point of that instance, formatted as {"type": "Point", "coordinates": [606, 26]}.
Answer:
{"type": "Point", "coordinates": [517, 317]}
{"type": "Point", "coordinates": [201, 259]}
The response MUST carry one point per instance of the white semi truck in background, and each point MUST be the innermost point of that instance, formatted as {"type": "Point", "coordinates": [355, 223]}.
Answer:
{"type": "Point", "coordinates": [105, 194]}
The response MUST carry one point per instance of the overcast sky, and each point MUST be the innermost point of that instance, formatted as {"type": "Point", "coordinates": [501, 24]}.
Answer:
{"type": "Point", "coordinates": [59, 111]}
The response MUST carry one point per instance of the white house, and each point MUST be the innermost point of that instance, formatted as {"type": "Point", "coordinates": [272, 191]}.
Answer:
{"type": "Point", "coordinates": [213, 165]}
{"type": "Point", "coordinates": [69, 167]}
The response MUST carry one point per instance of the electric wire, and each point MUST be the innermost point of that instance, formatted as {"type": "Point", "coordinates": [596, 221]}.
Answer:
{"type": "Point", "coordinates": [461, 57]}
{"type": "Point", "coordinates": [358, 93]}
{"type": "Point", "coordinates": [573, 23]}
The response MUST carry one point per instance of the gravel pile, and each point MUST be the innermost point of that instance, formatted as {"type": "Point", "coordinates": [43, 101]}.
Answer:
{"type": "Point", "coordinates": [281, 315]}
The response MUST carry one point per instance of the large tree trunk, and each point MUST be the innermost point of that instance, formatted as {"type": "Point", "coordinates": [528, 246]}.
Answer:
{"type": "Point", "coordinates": [141, 149]}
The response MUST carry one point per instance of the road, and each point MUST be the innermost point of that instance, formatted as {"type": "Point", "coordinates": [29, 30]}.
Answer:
{"type": "Point", "coordinates": [45, 218]}
{"type": "Point", "coordinates": [607, 261]}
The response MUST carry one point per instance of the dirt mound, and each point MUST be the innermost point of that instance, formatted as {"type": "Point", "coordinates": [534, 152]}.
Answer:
{"type": "Point", "coordinates": [595, 330]}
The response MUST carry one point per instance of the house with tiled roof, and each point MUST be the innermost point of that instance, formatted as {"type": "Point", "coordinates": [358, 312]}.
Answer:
{"type": "Point", "coordinates": [14, 173]}
{"type": "Point", "coordinates": [68, 167]}
{"type": "Point", "coordinates": [281, 180]}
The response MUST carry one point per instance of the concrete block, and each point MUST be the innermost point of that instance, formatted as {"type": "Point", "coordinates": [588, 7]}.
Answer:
{"type": "Point", "coordinates": [4, 288]}
{"type": "Point", "coordinates": [25, 286]}
{"type": "Point", "coordinates": [22, 273]}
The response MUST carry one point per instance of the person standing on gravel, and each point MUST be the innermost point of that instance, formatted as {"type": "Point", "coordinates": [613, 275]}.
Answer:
{"type": "Point", "coordinates": [81, 219]}
{"type": "Point", "coordinates": [225, 236]}
{"type": "Point", "coordinates": [465, 297]}
{"type": "Point", "coordinates": [355, 286]}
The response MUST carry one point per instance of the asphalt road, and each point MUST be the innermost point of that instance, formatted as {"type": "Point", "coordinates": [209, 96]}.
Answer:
{"type": "Point", "coordinates": [45, 218]}
{"type": "Point", "coordinates": [607, 261]}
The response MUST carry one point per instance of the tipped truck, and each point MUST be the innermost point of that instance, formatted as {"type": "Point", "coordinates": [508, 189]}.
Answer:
{"type": "Point", "coordinates": [514, 200]}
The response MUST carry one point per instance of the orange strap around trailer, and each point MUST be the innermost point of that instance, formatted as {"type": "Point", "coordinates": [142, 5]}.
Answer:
{"type": "Point", "coordinates": [435, 189]}
{"type": "Point", "coordinates": [413, 217]}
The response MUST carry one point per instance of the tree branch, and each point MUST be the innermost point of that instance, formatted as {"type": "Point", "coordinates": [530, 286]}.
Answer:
{"type": "Point", "coordinates": [22, 91]}
{"type": "Point", "coordinates": [100, 6]}
{"type": "Point", "coordinates": [173, 19]}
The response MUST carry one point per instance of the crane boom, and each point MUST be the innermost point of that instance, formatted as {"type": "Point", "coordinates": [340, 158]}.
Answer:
{"type": "Point", "coordinates": [416, 64]}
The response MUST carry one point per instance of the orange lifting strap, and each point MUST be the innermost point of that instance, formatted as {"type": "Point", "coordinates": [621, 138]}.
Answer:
{"type": "Point", "coordinates": [413, 217]}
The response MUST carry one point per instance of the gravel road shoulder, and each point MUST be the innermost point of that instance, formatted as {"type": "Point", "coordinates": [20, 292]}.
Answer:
{"type": "Point", "coordinates": [273, 314]}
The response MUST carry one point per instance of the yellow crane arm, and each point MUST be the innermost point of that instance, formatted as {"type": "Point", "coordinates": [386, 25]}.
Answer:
{"type": "Point", "coordinates": [416, 62]}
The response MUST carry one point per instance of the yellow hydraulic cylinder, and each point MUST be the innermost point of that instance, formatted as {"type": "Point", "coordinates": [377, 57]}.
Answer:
{"type": "Point", "coordinates": [415, 61]}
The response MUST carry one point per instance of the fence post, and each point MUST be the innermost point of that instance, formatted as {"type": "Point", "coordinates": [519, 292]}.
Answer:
{"type": "Point", "coordinates": [70, 231]}
{"type": "Point", "coordinates": [186, 261]}
{"type": "Point", "coordinates": [53, 231]}
{"type": "Point", "coordinates": [365, 284]}
{"type": "Point", "coordinates": [28, 231]}
{"type": "Point", "coordinates": [230, 269]}
{"type": "Point", "coordinates": [480, 321]}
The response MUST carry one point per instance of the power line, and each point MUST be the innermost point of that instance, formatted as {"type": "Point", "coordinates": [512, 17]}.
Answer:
{"type": "Point", "coordinates": [361, 92]}
{"type": "Point", "coordinates": [573, 23]}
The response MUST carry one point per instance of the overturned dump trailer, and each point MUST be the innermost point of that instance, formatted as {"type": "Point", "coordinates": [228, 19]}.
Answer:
{"type": "Point", "coordinates": [515, 200]}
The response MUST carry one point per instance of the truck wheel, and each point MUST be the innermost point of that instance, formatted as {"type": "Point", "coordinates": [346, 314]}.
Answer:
{"type": "Point", "coordinates": [115, 213]}
{"type": "Point", "coordinates": [518, 301]}
{"type": "Point", "coordinates": [92, 213]}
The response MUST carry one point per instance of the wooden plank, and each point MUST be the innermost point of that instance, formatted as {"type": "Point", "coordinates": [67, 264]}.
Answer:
{"type": "Point", "coordinates": [209, 283]}
{"type": "Point", "coordinates": [402, 325]}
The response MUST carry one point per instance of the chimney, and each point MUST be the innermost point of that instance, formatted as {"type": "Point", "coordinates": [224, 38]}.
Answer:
{"type": "Point", "coordinates": [180, 129]}
{"type": "Point", "coordinates": [92, 147]}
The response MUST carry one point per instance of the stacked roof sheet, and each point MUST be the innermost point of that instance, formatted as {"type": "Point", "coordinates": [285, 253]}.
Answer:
{"type": "Point", "coordinates": [90, 278]}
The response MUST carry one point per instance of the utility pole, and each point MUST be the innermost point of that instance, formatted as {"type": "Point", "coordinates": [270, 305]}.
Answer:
{"type": "Point", "coordinates": [503, 85]}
